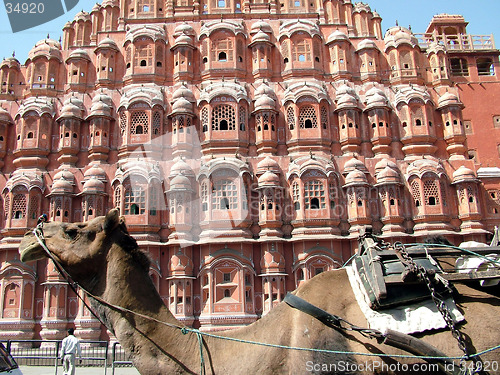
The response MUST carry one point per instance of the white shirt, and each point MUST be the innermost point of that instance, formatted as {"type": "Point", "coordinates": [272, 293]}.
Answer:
{"type": "Point", "coordinates": [70, 345]}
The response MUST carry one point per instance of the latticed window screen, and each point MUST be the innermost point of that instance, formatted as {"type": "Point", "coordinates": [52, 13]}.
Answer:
{"type": "Point", "coordinates": [443, 192]}
{"type": "Point", "coordinates": [204, 196]}
{"type": "Point", "coordinates": [222, 50]}
{"type": "Point", "coordinates": [324, 117]}
{"type": "Point", "coordinates": [307, 117]}
{"type": "Point", "coordinates": [314, 195]}
{"type": "Point", "coordinates": [225, 195]}
{"type": "Point", "coordinates": [118, 196]}
{"type": "Point", "coordinates": [143, 56]}
{"type": "Point", "coordinates": [431, 192]}
{"type": "Point", "coordinates": [223, 117]}
{"type": "Point", "coordinates": [154, 200]}
{"type": "Point", "coordinates": [19, 206]}
{"type": "Point", "coordinates": [156, 123]}
{"type": "Point", "coordinates": [204, 119]}
{"type": "Point", "coordinates": [265, 120]}
{"type": "Point", "coordinates": [301, 51]}
{"type": "Point", "coordinates": [290, 117]}
{"type": "Point", "coordinates": [405, 58]}
{"type": "Point", "coordinates": [33, 209]}
{"type": "Point", "coordinates": [183, 3]}
{"type": "Point", "coordinates": [417, 115]}
{"type": "Point", "coordinates": [415, 192]}
{"type": "Point", "coordinates": [284, 50]}
{"type": "Point", "coordinates": [139, 123]}
{"type": "Point", "coordinates": [317, 50]}
{"type": "Point", "coordinates": [123, 122]}
{"type": "Point", "coordinates": [159, 54]}
{"type": "Point", "coordinates": [128, 54]}
{"type": "Point", "coordinates": [135, 200]}
{"type": "Point", "coordinates": [258, 122]}
{"type": "Point", "coordinates": [243, 118]}
{"type": "Point", "coordinates": [146, 6]}
{"type": "Point", "coordinates": [6, 206]}
{"type": "Point", "coordinates": [296, 195]}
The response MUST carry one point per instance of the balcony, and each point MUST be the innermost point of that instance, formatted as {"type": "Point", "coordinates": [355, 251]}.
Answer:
{"type": "Point", "coordinates": [458, 43]}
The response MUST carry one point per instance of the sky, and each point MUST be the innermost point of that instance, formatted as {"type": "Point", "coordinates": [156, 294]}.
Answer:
{"type": "Point", "coordinates": [482, 16]}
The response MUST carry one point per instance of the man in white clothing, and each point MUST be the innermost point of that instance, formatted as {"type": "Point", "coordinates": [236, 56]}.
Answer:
{"type": "Point", "coordinates": [69, 348]}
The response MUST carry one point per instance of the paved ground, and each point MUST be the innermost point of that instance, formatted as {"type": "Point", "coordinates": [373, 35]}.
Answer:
{"type": "Point", "coordinates": [42, 370]}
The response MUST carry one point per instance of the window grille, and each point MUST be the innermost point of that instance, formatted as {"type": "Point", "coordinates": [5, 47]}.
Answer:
{"type": "Point", "coordinates": [143, 56]}
{"type": "Point", "coordinates": [135, 200]}
{"type": "Point", "coordinates": [314, 195]}
{"type": "Point", "coordinates": [139, 123]}
{"type": "Point", "coordinates": [459, 67]}
{"type": "Point", "coordinates": [290, 117]}
{"type": "Point", "coordinates": [19, 206]}
{"type": "Point", "coordinates": [431, 192]}
{"type": "Point", "coordinates": [204, 196]}
{"type": "Point", "coordinates": [123, 122]}
{"type": "Point", "coordinates": [296, 195]}
{"type": "Point", "coordinates": [243, 118]}
{"type": "Point", "coordinates": [222, 50]}
{"type": "Point", "coordinates": [324, 117]}
{"type": "Point", "coordinates": [301, 51]}
{"type": "Point", "coordinates": [415, 192]}
{"type": "Point", "coordinates": [225, 195]}
{"type": "Point", "coordinates": [118, 196]}
{"type": "Point", "coordinates": [156, 123]}
{"type": "Point", "coordinates": [6, 206]}
{"type": "Point", "coordinates": [223, 117]}
{"type": "Point", "coordinates": [307, 117]}
{"type": "Point", "coordinates": [204, 119]}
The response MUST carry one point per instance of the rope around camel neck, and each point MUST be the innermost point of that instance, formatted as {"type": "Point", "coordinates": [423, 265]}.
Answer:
{"type": "Point", "coordinates": [38, 232]}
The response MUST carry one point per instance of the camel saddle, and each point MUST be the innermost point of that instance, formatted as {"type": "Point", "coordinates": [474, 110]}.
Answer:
{"type": "Point", "coordinates": [375, 267]}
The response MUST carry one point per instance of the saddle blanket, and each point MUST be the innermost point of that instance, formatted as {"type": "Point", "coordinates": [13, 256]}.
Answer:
{"type": "Point", "coordinates": [417, 317]}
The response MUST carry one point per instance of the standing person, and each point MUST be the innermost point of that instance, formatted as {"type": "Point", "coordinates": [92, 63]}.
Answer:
{"type": "Point", "coordinates": [69, 348]}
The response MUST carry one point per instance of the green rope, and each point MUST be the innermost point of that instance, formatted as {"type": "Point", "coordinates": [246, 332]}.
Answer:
{"type": "Point", "coordinates": [185, 330]}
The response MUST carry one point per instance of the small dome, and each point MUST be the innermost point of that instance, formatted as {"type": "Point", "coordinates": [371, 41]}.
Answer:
{"type": "Point", "coordinates": [354, 164]}
{"type": "Point", "coordinates": [268, 164]}
{"type": "Point", "coordinates": [79, 54]}
{"type": "Point", "coordinates": [269, 178]}
{"type": "Point", "coordinates": [261, 37]}
{"type": "Point", "coordinates": [449, 99]}
{"type": "Point", "coordinates": [109, 3]}
{"type": "Point", "coordinates": [95, 171]}
{"type": "Point", "coordinates": [180, 182]}
{"type": "Point", "coordinates": [181, 264]}
{"type": "Point", "coordinates": [62, 186]}
{"type": "Point", "coordinates": [184, 28]}
{"type": "Point", "coordinates": [388, 176]}
{"type": "Point", "coordinates": [10, 62]}
{"type": "Point", "coordinates": [398, 35]}
{"type": "Point", "coordinates": [385, 163]}
{"type": "Point", "coordinates": [183, 92]}
{"type": "Point", "coordinates": [102, 97]}
{"type": "Point", "coordinates": [463, 174]}
{"type": "Point", "coordinates": [355, 177]}
{"type": "Point", "coordinates": [46, 48]}
{"type": "Point", "coordinates": [182, 105]}
{"type": "Point", "coordinates": [71, 108]}
{"type": "Point", "coordinates": [96, 8]}
{"type": "Point", "coordinates": [261, 26]}
{"type": "Point", "coordinates": [366, 44]}
{"type": "Point", "coordinates": [64, 174]}
{"type": "Point", "coordinates": [347, 101]}
{"type": "Point", "coordinates": [264, 89]}
{"type": "Point", "coordinates": [376, 97]}
{"type": "Point", "coordinates": [345, 89]}
{"type": "Point", "coordinates": [337, 36]}
{"type": "Point", "coordinates": [108, 43]}
{"type": "Point", "coordinates": [265, 102]}
{"type": "Point", "coordinates": [273, 261]}
{"type": "Point", "coordinates": [183, 40]}
{"type": "Point", "coordinates": [82, 16]}
{"type": "Point", "coordinates": [93, 185]}
{"type": "Point", "coordinates": [100, 109]}
{"type": "Point", "coordinates": [5, 115]}
{"type": "Point", "coordinates": [181, 167]}
{"type": "Point", "coordinates": [376, 15]}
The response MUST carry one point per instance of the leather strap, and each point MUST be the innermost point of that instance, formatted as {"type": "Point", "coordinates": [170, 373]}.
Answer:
{"type": "Point", "coordinates": [332, 321]}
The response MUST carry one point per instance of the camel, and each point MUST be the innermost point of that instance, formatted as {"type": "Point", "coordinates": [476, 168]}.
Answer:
{"type": "Point", "coordinates": [105, 260]}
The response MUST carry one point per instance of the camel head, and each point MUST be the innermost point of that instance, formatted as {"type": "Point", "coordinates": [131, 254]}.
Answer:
{"type": "Point", "coordinates": [82, 248]}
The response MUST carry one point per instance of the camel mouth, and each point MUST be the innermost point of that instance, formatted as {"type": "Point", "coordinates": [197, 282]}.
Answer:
{"type": "Point", "coordinates": [31, 251]}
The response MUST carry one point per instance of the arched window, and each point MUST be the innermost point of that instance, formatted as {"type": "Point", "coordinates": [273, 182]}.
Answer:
{"type": "Point", "coordinates": [459, 67]}
{"type": "Point", "coordinates": [143, 55]}
{"type": "Point", "coordinates": [314, 195]}
{"type": "Point", "coordinates": [307, 117]}
{"type": "Point", "coordinates": [156, 123]}
{"type": "Point", "coordinates": [223, 117]}
{"type": "Point", "coordinates": [204, 119]}
{"type": "Point", "coordinates": [301, 51]}
{"type": "Point", "coordinates": [415, 191]}
{"type": "Point", "coordinates": [290, 117]}
{"type": "Point", "coordinates": [431, 192]}
{"type": "Point", "coordinates": [242, 118]}
{"type": "Point", "coordinates": [296, 196]}
{"type": "Point", "coordinates": [222, 50]}
{"type": "Point", "coordinates": [19, 206]}
{"type": "Point", "coordinates": [204, 196]}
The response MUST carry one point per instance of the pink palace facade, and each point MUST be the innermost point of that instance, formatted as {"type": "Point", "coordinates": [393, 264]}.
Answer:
{"type": "Point", "coordinates": [246, 143]}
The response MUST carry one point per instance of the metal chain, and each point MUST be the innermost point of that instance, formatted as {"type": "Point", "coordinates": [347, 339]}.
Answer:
{"type": "Point", "coordinates": [430, 280]}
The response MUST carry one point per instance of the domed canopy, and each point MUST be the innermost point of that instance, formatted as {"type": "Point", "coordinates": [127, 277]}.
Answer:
{"type": "Point", "coordinates": [449, 100]}
{"type": "Point", "coordinates": [261, 26]}
{"type": "Point", "coordinates": [180, 182]}
{"type": "Point", "coordinates": [464, 174]}
{"type": "Point", "coordinates": [264, 89]}
{"type": "Point", "coordinates": [366, 44]}
{"type": "Point", "coordinates": [95, 171]}
{"type": "Point", "coordinates": [183, 40]}
{"type": "Point", "coordinates": [269, 179]}
{"type": "Point", "coordinates": [388, 176]}
{"type": "Point", "coordinates": [62, 186]}
{"type": "Point", "coordinates": [265, 102]}
{"type": "Point", "coordinates": [47, 48]}
{"type": "Point", "coordinates": [355, 177]}
{"type": "Point", "coordinates": [354, 164]}
{"type": "Point", "coordinates": [10, 62]}
{"type": "Point", "coordinates": [272, 261]}
{"type": "Point", "coordinates": [183, 92]}
{"type": "Point", "coordinates": [107, 43]}
{"type": "Point", "coordinates": [347, 101]}
{"type": "Point", "coordinates": [260, 37]}
{"type": "Point", "coordinates": [385, 163]}
{"type": "Point", "coordinates": [5, 116]}
{"type": "Point", "coordinates": [102, 105]}
{"type": "Point", "coordinates": [376, 98]}
{"type": "Point", "coordinates": [64, 174]}
{"type": "Point", "coordinates": [337, 36]}
{"type": "Point", "coordinates": [82, 16]}
{"type": "Point", "coordinates": [182, 105]}
{"type": "Point", "coordinates": [78, 54]}
{"type": "Point", "coordinates": [180, 264]}
{"type": "Point", "coordinates": [181, 167]}
{"type": "Point", "coordinates": [72, 108]}
{"type": "Point", "coordinates": [268, 164]}
{"type": "Point", "coordinates": [398, 35]}
{"type": "Point", "coordinates": [184, 28]}
{"type": "Point", "coordinates": [93, 185]}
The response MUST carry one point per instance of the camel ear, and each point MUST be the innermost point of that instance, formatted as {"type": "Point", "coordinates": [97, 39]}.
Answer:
{"type": "Point", "coordinates": [111, 221]}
